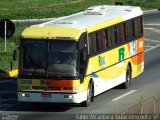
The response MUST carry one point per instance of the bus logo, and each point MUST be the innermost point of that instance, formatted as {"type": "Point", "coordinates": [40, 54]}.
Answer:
{"type": "Point", "coordinates": [121, 54]}
{"type": "Point", "coordinates": [101, 60]}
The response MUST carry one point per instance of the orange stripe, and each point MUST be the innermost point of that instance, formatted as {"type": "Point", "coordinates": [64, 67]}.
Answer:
{"type": "Point", "coordinates": [62, 83]}
{"type": "Point", "coordinates": [138, 59]}
{"type": "Point", "coordinates": [140, 48]}
{"type": "Point", "coordinates": [140, 42]}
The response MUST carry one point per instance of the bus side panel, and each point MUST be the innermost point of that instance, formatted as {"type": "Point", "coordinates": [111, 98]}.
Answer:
{"type": "Point", "coordinates": [105, 79]}
{"type": "Point", "coordinates": [108, 69]}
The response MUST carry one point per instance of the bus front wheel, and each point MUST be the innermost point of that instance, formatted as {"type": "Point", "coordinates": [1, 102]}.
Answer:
{"type": "Point", "coordinates": [89, 95]}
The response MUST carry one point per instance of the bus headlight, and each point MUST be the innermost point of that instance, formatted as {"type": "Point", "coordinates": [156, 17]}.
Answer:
{"type": "Point", "coordinates": [68, 96]}
{"type": "Point", "coordinates": [24, 95]}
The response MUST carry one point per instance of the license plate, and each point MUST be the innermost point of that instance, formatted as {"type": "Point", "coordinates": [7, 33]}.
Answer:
{"type": "Point", "coordinates": [46, 95]}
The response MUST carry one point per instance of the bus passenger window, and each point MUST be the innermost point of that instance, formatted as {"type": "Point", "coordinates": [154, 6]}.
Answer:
{"type": "Point", "coordinates": [111, 36]}
{"type": "Point", "coordinates": [120, 33]}
{"type": "Point", "coordinates": [129, 30]}
{"type": "Point", "coordinates": [92, 43]}
{"type": "Point", "coordinates": [137, 26]}
{"type": "Point", "coordinates": [100, 40]}
{"type": "Point", "coordinates": [105, 36]}
{"type": "Point", "coordinates": [116, 34]}
{"type": "Point", "coordinates": [125, 31]}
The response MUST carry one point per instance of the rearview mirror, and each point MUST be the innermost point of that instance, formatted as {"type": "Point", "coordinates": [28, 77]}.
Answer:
{"type": "Point", "coordinates": [15, 55]}
{"type": "Point", "coordinates": [83, 56]}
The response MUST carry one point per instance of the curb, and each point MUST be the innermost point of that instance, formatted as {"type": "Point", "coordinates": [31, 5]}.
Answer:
{"type": "Point", "coordinates": [34, 20]}
{"type": "Point", "coordinates": [150, 11]}
{"type": "Point", "coordinates": [31, 21]}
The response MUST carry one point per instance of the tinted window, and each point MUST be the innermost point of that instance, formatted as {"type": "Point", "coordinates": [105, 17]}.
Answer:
{"type": "Point", "coordinates": [34, 54]}
{"type": "Point", "coordinates": [129, 29]}
{"type": "Point", "coordinates": [92, 43]}
{"type": "Point", "coordinates": [111, 36]}
{"type": "Point", "coordinates": [138, 26]}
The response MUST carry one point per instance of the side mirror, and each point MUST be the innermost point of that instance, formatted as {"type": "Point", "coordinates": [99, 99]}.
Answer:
{"type": "Point", "coordinates": [83, 56]}
{"type": "Point", "coordinates": [15, 55]}
{"type": "Point", "coordinates": [81, 78]}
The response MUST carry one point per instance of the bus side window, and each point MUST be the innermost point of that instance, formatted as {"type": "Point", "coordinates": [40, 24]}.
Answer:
{"type": "Point", "coordinates": [92, 43]}
{"type": "Point", "coordinates": [116, 34]}
{"type": "Point", "coordinates": [142, 20]}
{"type": "Point", "coordinates": [129, 30]}
{"type": "Point", "coordinates": [105, 36]}
{"type": "Point", "coordinates": [98, 42]}
{"type": "Point", "coordinates": [137, 26]}
{"type": "Point", "coordinates": [125, 31]}
{"type": "Point", "coordinates": [111, 36]}
{"type": "Point", "coordinates": [120, 33]}
{"type": "Point", "coordinates": [100, 39]}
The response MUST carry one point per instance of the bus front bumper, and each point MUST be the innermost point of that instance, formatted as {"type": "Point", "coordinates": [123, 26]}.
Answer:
{"type": "Point", "coordinates": [50, 97]}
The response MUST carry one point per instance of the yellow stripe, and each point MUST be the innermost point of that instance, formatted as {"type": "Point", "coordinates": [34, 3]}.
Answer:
{"type": "Point", "coordinates": [104, 24]}
{"type": "Point", "coordinates": [13, 73]}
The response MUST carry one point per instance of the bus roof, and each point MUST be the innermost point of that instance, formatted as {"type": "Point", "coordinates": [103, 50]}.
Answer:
{"type": "Point", "coordinates": [92, 19]}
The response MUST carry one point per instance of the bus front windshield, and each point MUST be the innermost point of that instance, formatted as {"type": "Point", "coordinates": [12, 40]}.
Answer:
{"type": "Point", "coordinates": [57, 58]}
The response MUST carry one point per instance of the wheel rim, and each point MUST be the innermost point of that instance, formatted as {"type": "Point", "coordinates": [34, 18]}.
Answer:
{"type": "Point", "coordinates": [89, 94]}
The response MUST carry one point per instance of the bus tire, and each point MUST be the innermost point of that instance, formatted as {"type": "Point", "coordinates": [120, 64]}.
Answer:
{"type": "Point", "coordinates": [127, 83]}
{"type": "Point", "coordinates": [89, 96]}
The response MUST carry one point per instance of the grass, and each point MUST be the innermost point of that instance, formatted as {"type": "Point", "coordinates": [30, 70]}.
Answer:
{"type": "Point", "coordinates": [31, 9]}
{"type": "Point", "coordinates": [12, 43]}
{"type": "Point", "coordinates": [27, 9]}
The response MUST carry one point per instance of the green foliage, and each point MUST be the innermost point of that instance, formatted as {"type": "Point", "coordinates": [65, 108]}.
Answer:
{"type": "Point", "coordinates": [145, 4]}
{"type": "Point", "coordinates": [27, 9]}
{"type": "Point", "coordinates": [12, 43]}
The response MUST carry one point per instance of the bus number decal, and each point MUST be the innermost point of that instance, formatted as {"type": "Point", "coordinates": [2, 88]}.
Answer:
{"type": "Point", "coordinates": [121, 54]}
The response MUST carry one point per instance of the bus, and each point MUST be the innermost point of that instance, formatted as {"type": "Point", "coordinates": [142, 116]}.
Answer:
{"type": "Point", "coordinates": [75, 58]}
